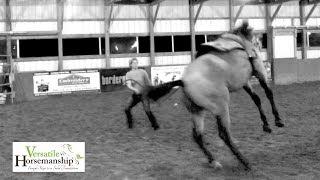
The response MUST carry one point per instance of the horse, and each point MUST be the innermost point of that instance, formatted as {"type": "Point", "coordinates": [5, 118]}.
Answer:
{"type": "Point", "coordinates": [206, 85]}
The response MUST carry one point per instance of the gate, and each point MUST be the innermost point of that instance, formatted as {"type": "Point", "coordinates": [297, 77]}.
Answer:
{"type": "Point", "coordinates": [295, 55]}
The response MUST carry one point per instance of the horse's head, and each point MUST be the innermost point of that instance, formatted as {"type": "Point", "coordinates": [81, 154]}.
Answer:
{"type": "Point", "coordinates": [245, 30]}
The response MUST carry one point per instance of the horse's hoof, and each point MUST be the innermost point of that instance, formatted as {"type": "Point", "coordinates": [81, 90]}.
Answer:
{"type": "Point", "coordinates": [247, 167]}
{"type": "Point", "coordinates": [130, 126]}
{"type": "Point", "coordinates": [156, 127]}
{"type": "Point", "coordinates": [267, 129]}
{"type": "Point", "coordinates": [279, 123]}
{"type": "Point", "coordinates": [216, 165]}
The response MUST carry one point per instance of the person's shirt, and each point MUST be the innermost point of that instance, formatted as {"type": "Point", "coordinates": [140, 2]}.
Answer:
{"type": "Point", "coordinates": [140, 77]}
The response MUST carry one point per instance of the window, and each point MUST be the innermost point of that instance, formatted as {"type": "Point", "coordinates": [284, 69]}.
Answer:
{"type": "Point", "coordinates": [314, 39]}
{"type": "Point", "coordinates": [14, 48]}
{"type": "Point", "coordinates": [133, 1]}
{"type": "Point", "coordinates": [4, 59]}
{"type": "Point", "coordinates": [212, 37]}
{"type": "Point", "coordinates": [3, 49]}
{"type": "Point", "coordinates": [199, 40]}
{"type": "Point", "coordinates": [163, 44]}
{"type": "Point", "coordinates": [182, 43]}
{"type": "Point", "coordinates": [144, 44]}
{"type": "Point", "coordinates": [299, 39]}
{"type": "Point", "coordinates": [80, 46]}
{"type": "Point", "coordinates": [264, 40]}
{"type": "Point", "coordinates": [103, 45]}
{"type": "Point", "coordinates": [260, 40]}
{"type": "Point", "coordinates": [123, 45]}
{"type": "Point", "coordinates": [38, 47]}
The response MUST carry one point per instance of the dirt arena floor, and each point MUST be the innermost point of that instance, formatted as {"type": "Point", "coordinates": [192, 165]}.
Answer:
{"type": "Point", "coordinates": [115, 152]}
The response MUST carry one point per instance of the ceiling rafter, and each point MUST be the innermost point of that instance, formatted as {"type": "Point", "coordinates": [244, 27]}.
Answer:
{"type": "Point", "coordinates": [134, 2]}
{"type": "Point", "coordinates": [311, 11]}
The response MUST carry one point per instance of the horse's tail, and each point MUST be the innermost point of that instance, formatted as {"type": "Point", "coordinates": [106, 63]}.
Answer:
{"type": "Point", "coordinates": [161, 90]}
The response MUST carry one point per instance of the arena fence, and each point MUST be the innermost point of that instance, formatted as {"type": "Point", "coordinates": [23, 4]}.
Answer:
{"type": "Point", "coordinates": [295, 54]}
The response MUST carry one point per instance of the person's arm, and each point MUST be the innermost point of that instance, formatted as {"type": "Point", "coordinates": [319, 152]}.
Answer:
{"type": "Point", "coordinates": [146, 78]}
{"type": "Point", "coordinates": [129, 84]}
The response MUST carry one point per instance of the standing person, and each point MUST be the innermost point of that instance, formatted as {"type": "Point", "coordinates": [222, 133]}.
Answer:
{"type": "Point", "coordinates": [138, 81]}
{"type": "Point", "coordinates": [156, 80]}
{"type": "Point", "coordinates": [173, 77]}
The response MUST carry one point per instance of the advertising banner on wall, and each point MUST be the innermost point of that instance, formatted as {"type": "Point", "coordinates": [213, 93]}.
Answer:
{"type": "Point", "coordinates": [164, 74]}
{"type": "Point", "coordinates": [114, 79]}
{"type": "Point", "coordinates": [65, 82]}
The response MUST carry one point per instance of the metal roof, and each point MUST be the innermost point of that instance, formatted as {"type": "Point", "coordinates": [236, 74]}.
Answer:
{"type": "Point", "coordinates": [218, 2]}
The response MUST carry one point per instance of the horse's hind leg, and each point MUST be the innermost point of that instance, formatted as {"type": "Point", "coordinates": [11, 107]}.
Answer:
{"type": "Point", "coordinates": [257, 101]}
{"type": "Point", "coordinates": [198, 128]}
{"type": "Point", "coordinates": [269, 94]}
{"type": "Point", "coordinates": [197, 133]}
{"type": "Point", "coordinates": [223, 122]}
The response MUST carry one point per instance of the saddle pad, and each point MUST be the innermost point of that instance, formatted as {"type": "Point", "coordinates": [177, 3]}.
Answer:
{"type": "Point", "coordinates": [223, 45]}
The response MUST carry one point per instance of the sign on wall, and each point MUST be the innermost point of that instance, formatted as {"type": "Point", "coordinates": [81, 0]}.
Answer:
{"type": "Point", "coordinates": [164, 74]}
{"type": "Point", "coordinates": [65, 82]}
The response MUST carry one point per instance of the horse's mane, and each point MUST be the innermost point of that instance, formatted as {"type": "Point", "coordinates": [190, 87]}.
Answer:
{"type": "Point", "coordinates": [245, 30]}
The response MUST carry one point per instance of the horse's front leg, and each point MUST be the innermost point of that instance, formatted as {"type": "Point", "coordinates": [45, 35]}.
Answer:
{"type": "Point", "coordinates": [257, 101]}
{"type": "Point", "coordinates": [269, 94]}
{"type": "Point", "coordinates": [263, 82]}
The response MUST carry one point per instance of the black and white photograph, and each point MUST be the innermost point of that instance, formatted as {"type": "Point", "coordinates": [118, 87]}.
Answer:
{"type": "Point", "coordinates": [159, 89]}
